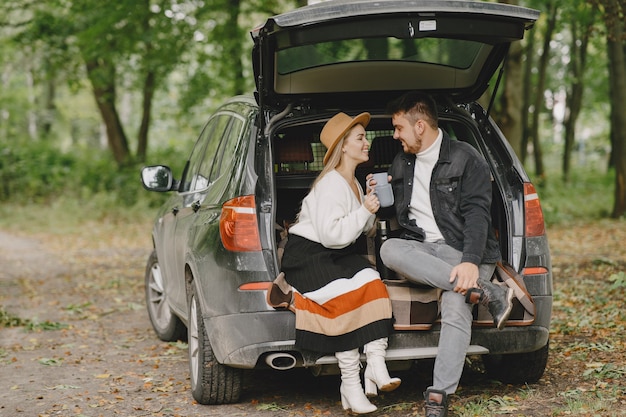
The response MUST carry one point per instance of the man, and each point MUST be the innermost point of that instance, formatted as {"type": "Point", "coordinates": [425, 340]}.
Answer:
{"type": "Point", "coordinates": [442, 191]}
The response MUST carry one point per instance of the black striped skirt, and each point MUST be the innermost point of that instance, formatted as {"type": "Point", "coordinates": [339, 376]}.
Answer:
{"type": "Point", "coordinates": [340, 301]}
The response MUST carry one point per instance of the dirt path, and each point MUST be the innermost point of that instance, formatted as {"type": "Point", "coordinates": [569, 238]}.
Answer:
{"type": "Point", "coordinates": [100, 357]}
{"type": "Point", "coordinates": [85, 347]}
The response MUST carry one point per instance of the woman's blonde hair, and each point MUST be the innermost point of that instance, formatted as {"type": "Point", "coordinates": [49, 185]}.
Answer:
{"type": "Point", "coordinates": [333, 160]}
{"type": "Point", "coordinates": [332, 163]}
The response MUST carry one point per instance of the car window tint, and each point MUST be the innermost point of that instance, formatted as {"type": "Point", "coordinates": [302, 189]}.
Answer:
{"type": "Point", "coordinates": [212, 135]}
{"type": "Point", "coordinates": [228, 146]}
{"type": "Point", "coordinates": [455, 53]}
{"type": "Point", "coordinates": [191, 171]}
{"type": "Point", "coordinates": [225, 173]}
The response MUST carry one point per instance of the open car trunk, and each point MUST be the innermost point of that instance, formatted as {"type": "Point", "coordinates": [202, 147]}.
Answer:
{"type": "Point", "coordinates": [298, 154]}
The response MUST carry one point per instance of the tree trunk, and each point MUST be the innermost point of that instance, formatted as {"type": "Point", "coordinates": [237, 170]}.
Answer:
{"type": "Point", "coordinates": [49, 96]}
{"type": "Point", "coordinates": [146, 114]}
{"type": "Point", "coordinates": [574, 98]}
{"type": "Point", "coordinates": [49, 106]}
{"type": "Point", "coordinates": [233, 47]}
{"type": "Point", "coordinates": [511, 99]}
{"type": "Point", "coordinates": [617, 81]}
{"type": "Point", "coordinates": [539, 99]}
{"type": "Point", "coordinates": [149, 85]}
{"type": "Point", "coordinates": [32, 101]}
{"type": "Point", "coordinates": [525, 121]}
{"type": "Point", "coordinates": [101, 73]}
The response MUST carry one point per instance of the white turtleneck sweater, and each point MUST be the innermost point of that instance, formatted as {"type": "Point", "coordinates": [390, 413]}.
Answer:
{"type": "Point", "coordinates": [420, 208]}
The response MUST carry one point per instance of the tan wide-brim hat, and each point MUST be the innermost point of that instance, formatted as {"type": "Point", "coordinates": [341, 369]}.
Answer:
{"type": "Point", "coordinates": [337, 127]}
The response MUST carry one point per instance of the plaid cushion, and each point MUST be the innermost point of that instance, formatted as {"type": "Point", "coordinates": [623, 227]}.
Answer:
{"type": "Point", "coordinates": [413, 307]}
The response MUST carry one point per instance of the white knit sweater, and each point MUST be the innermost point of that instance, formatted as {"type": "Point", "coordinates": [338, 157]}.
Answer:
{"type": "Point", "coordinates": [332, 215]}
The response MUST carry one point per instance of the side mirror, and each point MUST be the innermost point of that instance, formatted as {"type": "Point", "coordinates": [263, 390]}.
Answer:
{"type": "Point", "coordinates": [157, 178]}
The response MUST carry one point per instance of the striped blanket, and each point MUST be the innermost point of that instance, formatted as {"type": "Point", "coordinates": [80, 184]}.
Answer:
{"type": "Point", "coordinates": [344, 314]}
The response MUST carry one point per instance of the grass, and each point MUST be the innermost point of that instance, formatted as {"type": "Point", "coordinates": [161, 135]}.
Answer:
{"type": "Point", "coordinates": [487, 406]}
{"type": "Point", "coordinates": [588, 195]}
{"type": "Point", "coordinates": [68, 215]}
{"type": "Point", "coordinates": [580, 403]}
{"type": "Point", "coordinates": [9, 320]}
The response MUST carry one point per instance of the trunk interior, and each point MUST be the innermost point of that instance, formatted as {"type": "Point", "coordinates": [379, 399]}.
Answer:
{"type": "Point", "coordinates": [298, 155]}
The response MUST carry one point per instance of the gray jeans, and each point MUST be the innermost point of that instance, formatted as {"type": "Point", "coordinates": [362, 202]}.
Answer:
{"type": "Point", "coordinates": [431, 264]}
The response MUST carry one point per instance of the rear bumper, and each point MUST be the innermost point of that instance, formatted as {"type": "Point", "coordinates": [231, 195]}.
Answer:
{"type": "Point", "coordinates": [491, 340]}
{"type": "Point", "coordinates": [240, 340]}
{"type": "Point", "coordinates": [244, 340]}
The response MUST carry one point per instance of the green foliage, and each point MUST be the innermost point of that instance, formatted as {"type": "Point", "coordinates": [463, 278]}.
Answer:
{"type": "Point", "coordinates": [581, 403]}
{"type": "Point", "coordinates": [404, 406]}
{"type": "Point", "coordinates": [194, 52]}
{"type": "Point", "coordinates": [588, 195]}
{"type": "Point", "coordinates": [88, 184]}
{"type": "Point", "coordinates": [38, 172]}
{"type": "Point", "coordinates": [270, 407]}
{"type": "Point", "coordinates": [9, 320]}
{"type": "Point", "coordinates": [601, 370]}
{"type": "Point", "coordinates": [33, 170]}
{"type": "Point", "coordinates": [485, 407]}
{"type": "Point", "coordinates": [618, 280]}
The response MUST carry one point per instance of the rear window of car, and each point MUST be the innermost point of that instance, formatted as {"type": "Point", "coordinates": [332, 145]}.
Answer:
{"type": "Point", "coordinates": [455, 53]}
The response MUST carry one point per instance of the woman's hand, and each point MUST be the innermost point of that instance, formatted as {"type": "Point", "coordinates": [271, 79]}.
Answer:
{"type": "Point", "coordinates": [371, 202]}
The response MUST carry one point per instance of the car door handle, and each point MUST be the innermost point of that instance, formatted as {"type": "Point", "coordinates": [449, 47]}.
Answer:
{"type": "Point", "coordinates": [195, 206]}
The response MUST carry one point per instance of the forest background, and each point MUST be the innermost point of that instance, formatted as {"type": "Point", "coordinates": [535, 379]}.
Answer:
{"type": "Point", "coordinates": [91, 91]}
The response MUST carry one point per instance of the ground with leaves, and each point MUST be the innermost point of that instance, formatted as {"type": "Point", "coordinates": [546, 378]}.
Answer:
{"type": "Point", "coordinates": [75, 339]}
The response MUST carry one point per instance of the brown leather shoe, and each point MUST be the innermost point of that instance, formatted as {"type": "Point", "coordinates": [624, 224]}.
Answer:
{"type": "Point", "coordinates": [436, 403]}
{"type": "Point", "coordinates": [473, 296]}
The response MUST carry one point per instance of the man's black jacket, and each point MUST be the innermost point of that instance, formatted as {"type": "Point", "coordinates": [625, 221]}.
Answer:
{"type": "Point", "coordinates": [460, 194]}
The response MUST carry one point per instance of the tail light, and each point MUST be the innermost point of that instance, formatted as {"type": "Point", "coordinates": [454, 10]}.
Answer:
{"type": "Point", "coordinates": [239, 228]}
{"type": "Point", "coordinates": [535, 225]}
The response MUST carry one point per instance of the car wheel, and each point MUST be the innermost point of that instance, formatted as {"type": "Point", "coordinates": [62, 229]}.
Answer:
{"type": "Point", "coordinates": [517, 368]}
{"type": "Point", "coordinates": [166, 324]}
{"type": "Point", "coordinates": [211, 382]}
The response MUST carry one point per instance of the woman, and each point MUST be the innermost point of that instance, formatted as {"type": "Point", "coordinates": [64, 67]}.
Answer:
{"type": "Point", "coordinates": [339, 300]}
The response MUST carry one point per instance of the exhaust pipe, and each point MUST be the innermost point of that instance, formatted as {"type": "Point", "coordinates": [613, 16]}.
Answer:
{"type": "Point", "coordinates": [280, 361]}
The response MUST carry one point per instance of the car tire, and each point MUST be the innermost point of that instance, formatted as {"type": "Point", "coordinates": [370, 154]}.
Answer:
{"type": "Point", "coordinates": [166, 324]}
{"type": "Point", "coordinates": [517, 368]}
{"type": "Point", "coordinates": [211, 382]}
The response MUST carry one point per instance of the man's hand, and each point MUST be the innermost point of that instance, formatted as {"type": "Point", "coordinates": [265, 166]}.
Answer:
{"type": "Point", "coordinates": [466, 276]}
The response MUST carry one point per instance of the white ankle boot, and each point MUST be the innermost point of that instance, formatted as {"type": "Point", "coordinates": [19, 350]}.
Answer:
{"type": "Point", "coordinates": [352, 396]}
{"type": "Point", "coordinates": [376, 374]}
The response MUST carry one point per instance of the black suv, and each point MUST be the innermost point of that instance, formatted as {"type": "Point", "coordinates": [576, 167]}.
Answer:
{"type": "Point", "coordinates": [217, 239]}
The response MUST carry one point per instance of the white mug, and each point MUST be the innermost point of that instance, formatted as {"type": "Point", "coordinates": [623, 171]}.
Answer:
{"type": "Point", "coordinates": [382, 189]}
